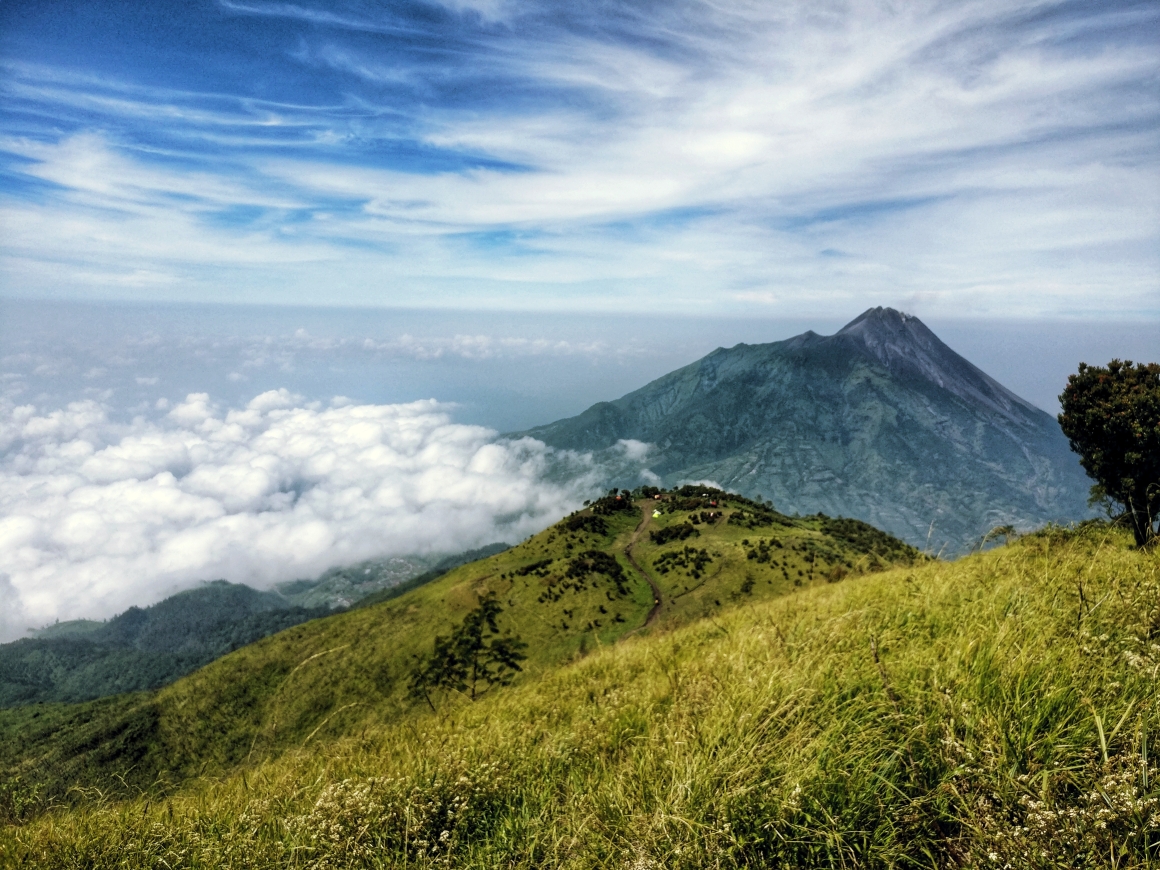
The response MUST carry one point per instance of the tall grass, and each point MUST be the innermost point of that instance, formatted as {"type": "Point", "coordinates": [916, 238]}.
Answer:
{"type": "Point", "coordinates": [998, 711]}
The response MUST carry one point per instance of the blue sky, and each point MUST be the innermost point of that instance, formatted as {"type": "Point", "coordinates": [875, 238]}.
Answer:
{"type": "Point", "coordinates": [978, 159]}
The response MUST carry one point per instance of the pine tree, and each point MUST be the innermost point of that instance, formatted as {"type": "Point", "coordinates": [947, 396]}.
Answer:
{"type": "Point", "coordinates": [474, 658]}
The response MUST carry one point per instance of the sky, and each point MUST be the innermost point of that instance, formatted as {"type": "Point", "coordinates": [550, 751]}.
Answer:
{"type": "Point", "coordinates": [276, 276]}
{"type": "Point", "coordinates": [968, 159]}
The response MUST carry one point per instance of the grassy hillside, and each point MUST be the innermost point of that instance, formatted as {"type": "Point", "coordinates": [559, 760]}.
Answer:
{"type": "Point", "coordinates": [998, 711]}
{"type": "Point", "coordinates": [142, 648]}
{"type": "Point", "coordinates": [582, 584]}
{"type": "Point", "coordinates": [146, 648]}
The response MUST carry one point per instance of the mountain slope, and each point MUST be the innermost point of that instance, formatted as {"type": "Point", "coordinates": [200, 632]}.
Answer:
{"type": "Point", "coordinates": [974, 713]}
{"type": "Point", "coordinates": [142, 648]}
{"type": "Point", "coordinates": [146, 648]}
{"type": "Point", "coordinates": [881, 421]}
{"type": "Point", "coordinates": [342, 586]}
{"type": "Point", "coordinates": [586, 582]}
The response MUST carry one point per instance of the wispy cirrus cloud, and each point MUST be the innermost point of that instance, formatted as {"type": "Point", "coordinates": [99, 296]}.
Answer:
{"type": "Point", "coordinates": [987, 158]}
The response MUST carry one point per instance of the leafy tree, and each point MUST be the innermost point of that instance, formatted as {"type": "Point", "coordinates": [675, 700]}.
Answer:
{"type": "Point", "coordinates": [1111, 416]}
{"type": "Point", "coordinates": [472, 659]}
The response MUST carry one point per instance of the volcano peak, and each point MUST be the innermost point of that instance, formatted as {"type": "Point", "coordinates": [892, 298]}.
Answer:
{"type": "Point", "coordinates": [883, 326]}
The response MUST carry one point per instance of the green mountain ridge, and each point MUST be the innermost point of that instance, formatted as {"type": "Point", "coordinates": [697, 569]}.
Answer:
{"type": "Point", "coordinates": [142, 648]}
{"type": "Point", "coordinates": [146, 648]}
{"type": "Point", "coordinates": [881, 421]}
{"type": "Point", "coordinates": [596, 576]}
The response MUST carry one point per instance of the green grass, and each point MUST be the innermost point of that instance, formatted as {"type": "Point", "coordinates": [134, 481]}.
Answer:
{"type": "Point", "coordinates": [940, 714]}
{"type": "Point", "coordinates": [338, 675]}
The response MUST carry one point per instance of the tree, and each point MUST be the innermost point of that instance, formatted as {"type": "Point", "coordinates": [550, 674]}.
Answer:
{"type": "Point", "coordinates": [1111, 417]}
{"type": "Point", "coordinates": [472, 659]}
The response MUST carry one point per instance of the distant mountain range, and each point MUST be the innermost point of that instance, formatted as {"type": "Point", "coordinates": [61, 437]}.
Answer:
{"type": "Point", "coordinates": [148, 647]}
{"type": "Point", "coordinates": [881, 422]}
{"type": "Point", "coordinates": [344, 585]}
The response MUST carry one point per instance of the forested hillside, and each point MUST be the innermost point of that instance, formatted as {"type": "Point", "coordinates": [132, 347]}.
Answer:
{"type": "Point", "coordinates": [142, 648]}
{"type": "Point", "coordinates": [149, 647]}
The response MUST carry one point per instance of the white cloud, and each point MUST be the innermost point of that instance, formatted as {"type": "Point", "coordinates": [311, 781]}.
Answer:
{"type": "Point", "coordinates": [478, 347]}
{"type": "Point", "coordinates": [489, 10]}
{"type": "Point", "coordinates": [997, 158]}
{"type": "Point", "coordinates": [98, 516]}
{"type": "Point", "coordinates": [634, 450]}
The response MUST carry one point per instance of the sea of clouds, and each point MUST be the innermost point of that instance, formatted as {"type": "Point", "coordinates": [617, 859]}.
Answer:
{"type": "Point", "coordinates": [98, 515]}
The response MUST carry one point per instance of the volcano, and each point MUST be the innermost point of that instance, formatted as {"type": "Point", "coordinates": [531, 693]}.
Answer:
{"type": "Point", "coordinates": [880, 421]}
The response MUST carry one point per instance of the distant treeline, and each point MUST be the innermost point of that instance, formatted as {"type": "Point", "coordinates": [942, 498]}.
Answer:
{"type": "Point", "coordinates": [149, 647]}
{"type": "Point", "coordinates": [144, 648]}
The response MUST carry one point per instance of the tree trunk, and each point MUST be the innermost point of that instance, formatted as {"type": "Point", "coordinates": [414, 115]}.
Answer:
{"type": "Point", "coordinates": [1141, 522]}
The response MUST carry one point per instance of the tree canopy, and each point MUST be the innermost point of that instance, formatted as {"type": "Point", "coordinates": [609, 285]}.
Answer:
{"type": "Point", "coordinates": [1111, 417]}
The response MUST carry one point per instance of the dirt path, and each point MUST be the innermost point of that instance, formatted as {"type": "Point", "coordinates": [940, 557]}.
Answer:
{"type": "Point", "coordinates": [646, 516]}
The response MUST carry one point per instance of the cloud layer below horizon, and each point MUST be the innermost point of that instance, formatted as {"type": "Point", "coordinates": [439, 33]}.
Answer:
{"type": "Point", "coordinates": [98, 516]}
{"type": "Point", "coordinates": [978, 158]}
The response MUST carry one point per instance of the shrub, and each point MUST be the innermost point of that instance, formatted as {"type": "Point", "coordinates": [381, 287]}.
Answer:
{"type": "Point", "coordinates": [599, 562]}
{"type": "Point", "coordinates": [588, 523]}
{"type": "Point", "coordinates": [673, 533]}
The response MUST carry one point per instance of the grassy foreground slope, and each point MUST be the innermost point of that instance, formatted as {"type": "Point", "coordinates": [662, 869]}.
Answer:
{"type": "Point", "coordinates": [580, 584]}
{"type": "Point", "coordinates": [998, 711]}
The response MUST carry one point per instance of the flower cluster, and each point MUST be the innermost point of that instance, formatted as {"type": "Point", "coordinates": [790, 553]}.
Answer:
{"type": "Point", "coordinates": [354, 819]}
{"type": "Point", "coordinates": [1119, 808]}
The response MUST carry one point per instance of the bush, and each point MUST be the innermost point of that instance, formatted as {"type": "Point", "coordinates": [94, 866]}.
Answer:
{"type": "Point", "coordinates": [586, 523]}
{"type": "Point", "coordinates": [599, 562]}
{"type": "Point", "coordinates": [673, 533]}
{"type": "Point", "coordinates": [613, 503]}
